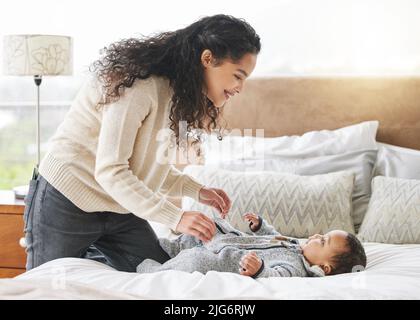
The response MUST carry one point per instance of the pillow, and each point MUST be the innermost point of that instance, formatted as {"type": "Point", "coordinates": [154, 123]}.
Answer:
{"type": "Point", "coordinates": [163, 231]}
{"type": "Point", "coordinates": [394, 212]}
{"type": "Point", "coordinates": [397, 162]}
{"type": "Point", "coordinates": [360, 162]}
{"type": "Point", "coordinates": [297, 206]}
{"type": "Point", "coordinates": [352, 148]}
{"type": "Point", "coordinates": [360, 136]}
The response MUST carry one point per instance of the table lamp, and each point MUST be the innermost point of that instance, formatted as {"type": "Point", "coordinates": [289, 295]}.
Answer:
{"type": "Point", "coordinates": [37, 55]}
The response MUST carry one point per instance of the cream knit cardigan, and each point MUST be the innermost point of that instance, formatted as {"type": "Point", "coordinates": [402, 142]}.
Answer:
{"type": "Point", "coordinates": [110, 158]}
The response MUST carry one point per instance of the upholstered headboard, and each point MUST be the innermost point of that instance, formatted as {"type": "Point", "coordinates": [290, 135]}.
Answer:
{"type": "Point", "coordinates": [295, 105]}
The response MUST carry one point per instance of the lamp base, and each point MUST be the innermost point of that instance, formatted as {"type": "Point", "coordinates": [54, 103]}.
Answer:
{"type": "Point", "coordinates": [21, 191]}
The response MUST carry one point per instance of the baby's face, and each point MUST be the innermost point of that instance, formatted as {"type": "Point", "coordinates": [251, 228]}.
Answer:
{"type": "Point", "coordinates": [319, 249]}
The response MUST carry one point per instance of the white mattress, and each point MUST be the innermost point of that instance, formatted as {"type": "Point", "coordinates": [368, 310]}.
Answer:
{"type": "Point", "coordinates": [393, 272]}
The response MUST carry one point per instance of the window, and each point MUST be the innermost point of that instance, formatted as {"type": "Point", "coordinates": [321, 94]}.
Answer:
{"type": "Point", "coordinates": [18, 149]}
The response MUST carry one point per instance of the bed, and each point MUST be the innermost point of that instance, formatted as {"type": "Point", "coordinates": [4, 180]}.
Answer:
{"type": "Point", "coordinates": [392, 273]}
{"type": "Point", "coordinates": [289, 106]}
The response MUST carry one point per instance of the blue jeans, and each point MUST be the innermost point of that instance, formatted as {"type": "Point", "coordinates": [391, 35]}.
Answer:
{"type": "Point", "coordinates": [56, 228]}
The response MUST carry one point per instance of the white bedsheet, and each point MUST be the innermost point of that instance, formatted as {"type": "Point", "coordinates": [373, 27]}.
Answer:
{"type": "Point", "coordinates": [393, 272]}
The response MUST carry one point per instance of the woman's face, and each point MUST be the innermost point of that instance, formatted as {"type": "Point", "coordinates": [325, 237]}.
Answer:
{"type": "Point", "coordinates": [224, 80]}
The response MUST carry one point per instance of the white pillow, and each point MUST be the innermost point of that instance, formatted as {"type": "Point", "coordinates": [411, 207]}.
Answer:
{"type": "Point", "coordinates": [360, 162]}
{"type": "Point", "coordinates": [297, 206]}
{"type": "Point", "coordinates": [394, 212]}
{"type": "Point", "coordinates": [162, 231]}
{"type": "Point", "coordinates": [352, 148]}
{"type": "Point", "coordinates": [397, 162]}
{"type": "Point", "coordinates": [360, 136]}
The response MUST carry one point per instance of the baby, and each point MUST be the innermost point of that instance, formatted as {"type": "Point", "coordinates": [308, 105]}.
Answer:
{"type": "Point", "coordinates": [265, 253]}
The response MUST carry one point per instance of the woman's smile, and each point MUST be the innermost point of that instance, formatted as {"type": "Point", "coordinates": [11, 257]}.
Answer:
{"type": "Point", "coordinates": [228, 94]}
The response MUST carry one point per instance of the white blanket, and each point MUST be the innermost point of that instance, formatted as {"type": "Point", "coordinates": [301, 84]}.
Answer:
{"type": "Point", "coordinates": [393, 272]}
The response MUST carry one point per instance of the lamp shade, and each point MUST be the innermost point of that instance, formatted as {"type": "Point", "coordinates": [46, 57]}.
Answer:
{"type": "Point", "coordinates": [30, 54]}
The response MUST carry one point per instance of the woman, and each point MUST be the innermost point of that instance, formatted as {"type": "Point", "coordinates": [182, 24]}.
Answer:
{"type": "Point", "coordinates": [102, 177]}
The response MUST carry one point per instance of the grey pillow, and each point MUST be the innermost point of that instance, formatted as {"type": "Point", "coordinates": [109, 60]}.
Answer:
{"type": "Point", "coordinates": [394, 212]}
{"type": "Point", "coordinates": [359, 162]}
{"type": "Point", "coordinates": [297, 206]}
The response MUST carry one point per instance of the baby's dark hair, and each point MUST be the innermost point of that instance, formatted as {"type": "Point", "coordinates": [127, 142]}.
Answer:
{"type": "Point", "coordinates": [352, 260]}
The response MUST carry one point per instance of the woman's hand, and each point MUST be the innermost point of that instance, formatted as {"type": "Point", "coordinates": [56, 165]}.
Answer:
{"type": "Point", "coordinates": [216, 198]}
{"type": "Point", "coordinates": [197, 224]}
{"type": "Point", "coordinates": [252, 218]}
{"type": "Point", "coordinates": [250, 264]}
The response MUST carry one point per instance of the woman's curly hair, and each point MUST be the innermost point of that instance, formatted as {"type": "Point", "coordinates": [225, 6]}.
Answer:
{"type": "Point", "coordinates": [177, 56]}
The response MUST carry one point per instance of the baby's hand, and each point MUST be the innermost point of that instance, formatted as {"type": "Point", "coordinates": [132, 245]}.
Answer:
{"type": "Point", "coordinates": [252, 218]}
{"type": "Point", "coordinates": [250, 264]}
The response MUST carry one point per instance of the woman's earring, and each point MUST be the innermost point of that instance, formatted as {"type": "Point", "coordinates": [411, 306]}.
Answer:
{"type": "Point", "coordinates": [219, 136]}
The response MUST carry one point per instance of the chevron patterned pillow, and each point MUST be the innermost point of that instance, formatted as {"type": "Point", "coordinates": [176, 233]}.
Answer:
{"type": "Point", "coordinates": [393, 215]}
{"type": "Point", "coordinates": [297, 206]}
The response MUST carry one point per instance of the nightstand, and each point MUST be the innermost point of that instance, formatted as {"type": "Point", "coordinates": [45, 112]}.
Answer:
{"type": "Point", "coordinates": [12, 254]}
